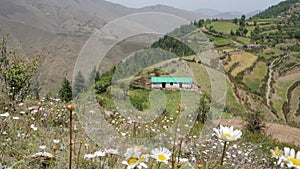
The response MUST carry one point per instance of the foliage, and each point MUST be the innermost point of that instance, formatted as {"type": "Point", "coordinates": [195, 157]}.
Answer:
{"type": "Point", "coordinates": [276, 10]}
{"type": "Point", "coordinates": [16, 72]}
{"type": "Point", "coordinates": [203, 109]}
{"type": "Point", "coordinates": [173, 45]}
{"type": "Point", "coordinates": [255, 123]}
{"type": "Point", "coordinates": [104, 82]}
{"type": "Point", "coordinates": [65, 93]}
{"type": "Point", "coordinates": [79, 84]}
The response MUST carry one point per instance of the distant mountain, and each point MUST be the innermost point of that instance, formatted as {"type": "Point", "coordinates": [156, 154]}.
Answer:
{"type": "Point", "coordinates": [229, 15]}
{"type": "Point", "coordinates": [212, 13]}
{"type": "Point", "coordinates": [283, 8]}
{"type": "Point", "coordinates": [58, 29]}
{"type": "Point", "coordinates": [76, 15]}
{"type": "Point", "coordinates": [175, 11]}
{"type": "Point", "coordinates": [207, 11]}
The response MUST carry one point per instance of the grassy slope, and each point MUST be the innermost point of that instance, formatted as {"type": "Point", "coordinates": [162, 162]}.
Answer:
{"type": "Point", "coordinates": [253, 80]}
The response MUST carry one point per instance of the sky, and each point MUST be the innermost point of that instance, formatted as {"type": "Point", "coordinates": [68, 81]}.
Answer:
{"type": "Point", "coordinates": [220, 5]}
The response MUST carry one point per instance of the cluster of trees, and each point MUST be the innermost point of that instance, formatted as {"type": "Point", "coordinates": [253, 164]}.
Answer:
{"type": "Point", "coordinates": [67, 91]}
{"type": "Point", "coordinates": [275, 10]}
{"type": "Point", "coordinates": [16, 72]}
{"type": "Point", "coordinates": [241, 31]}
{"type": "Point", "coordinates": [173, 45]}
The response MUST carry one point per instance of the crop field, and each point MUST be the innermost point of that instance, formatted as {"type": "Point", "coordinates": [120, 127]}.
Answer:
{"type": "Point", "coordinates": [281, 87]}
{"type": "Point", "coordinates": [224, 27]}
{"type": "Point", "coordinates": [201, 77]}
{"type": "Point", "coordinates": [253, 80]}
{"type": "Point", "coordinates": [244, 61]}
{"type": "Point", "coordinates": [295, 100]}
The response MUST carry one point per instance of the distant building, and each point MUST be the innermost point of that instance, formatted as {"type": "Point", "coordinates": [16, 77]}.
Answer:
{"type": "Point", "coordinates": [171, 82]}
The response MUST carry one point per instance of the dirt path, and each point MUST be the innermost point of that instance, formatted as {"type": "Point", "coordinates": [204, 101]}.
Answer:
{"type": "Point", "coordinates": [269, 84]}
{"type": "Point", "coordinates": [282, 133]}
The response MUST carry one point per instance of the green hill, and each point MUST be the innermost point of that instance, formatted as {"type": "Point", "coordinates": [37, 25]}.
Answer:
{"type": "Point", "coordinates": [279, 9]}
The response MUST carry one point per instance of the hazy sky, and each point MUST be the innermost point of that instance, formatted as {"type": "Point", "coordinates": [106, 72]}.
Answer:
{"type": "Point", "coordinates": [221, 5]}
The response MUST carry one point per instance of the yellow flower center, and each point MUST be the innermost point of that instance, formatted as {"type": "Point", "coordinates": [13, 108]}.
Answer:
{"type": "Point", "coordinates": [276, 152]}
{"type": "Point", "coordinates": [142, 159]}
{"type": "Point", "coordinates": [161, 157]}
{"type": "Point", "coordinates": [295, 161]}
{"type": "Point", "coordinates": [132, 161]}
{"type": "Point", "coordinates": [227, 135]}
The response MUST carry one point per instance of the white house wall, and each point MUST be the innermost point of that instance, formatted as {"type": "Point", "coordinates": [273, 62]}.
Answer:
{"type": "Point", "coordinates": [156, 85]}
{"type": "Point", "coordinates": [174, 85]}
{"type": "Point", "coordinates": [187, 85]}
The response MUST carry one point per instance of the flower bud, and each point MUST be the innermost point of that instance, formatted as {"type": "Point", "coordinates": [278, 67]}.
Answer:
{"type": "Point", "coordinates": [71, 107]}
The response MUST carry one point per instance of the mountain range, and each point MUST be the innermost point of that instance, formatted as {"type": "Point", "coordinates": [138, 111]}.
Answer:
{"type": "Point", "coordinates": [212, 13]}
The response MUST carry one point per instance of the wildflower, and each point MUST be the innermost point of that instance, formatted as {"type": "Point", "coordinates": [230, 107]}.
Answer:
{"type": "Point", "coordinates": [32, 126]}
{"type": "Point", "coordinates": [227, 134]}
{"type": "Point", "coordinates": [56, 141]}
{"type": "Point", "coordinates": [43, 155]}
{"type": "Point", "coordinates": [42, 147]}
{"type": "Point", "coordinates": [135, 158]}
{"type": "Point", "coordinates": [100, 153]}
{"type": "Point", "coordinates": [4, 114]}
{"type": "Point", "coordinates": [112, 151]}
{"type": "Point", "coordinates": [89, 156]}
{"type": "Point", "coordinates": [161, 154]}
{"type": "Point", "coordinates": [290, 158]}
{"type": "Point", "coordinates": [276, 153]}
{"type": "Point", "coordinates": [15, 118]}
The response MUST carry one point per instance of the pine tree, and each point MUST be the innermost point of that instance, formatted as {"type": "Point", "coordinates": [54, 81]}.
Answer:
{"type": "Point", "coordinates": [65, 93]}
{"type": "Point", "coordinates": [79, 84]}
{"type": "Point", "coordinates": [92, 78]}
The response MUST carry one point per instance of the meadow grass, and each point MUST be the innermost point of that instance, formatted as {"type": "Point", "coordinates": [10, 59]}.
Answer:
{"type": "Point", "coordinates": [232, 102]}
{"type": "Point", "coordinates": [244, 40]}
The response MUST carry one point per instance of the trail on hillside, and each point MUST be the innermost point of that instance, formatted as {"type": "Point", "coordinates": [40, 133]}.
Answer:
{"type": "Point", "coordinates": [269, 88]}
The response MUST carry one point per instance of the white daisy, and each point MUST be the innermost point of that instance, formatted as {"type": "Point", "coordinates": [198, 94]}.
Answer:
{"type": "Point", "coordinates": [227, 133]}
{"type": "Point", "coordinates": [100, 153]}
{"type": "Point", "coordinates": [4, 114]}
{"type": "Point", "coordinates": [56, 141]}
{"type": "Point", "coordinates": [290, 158]}
{"type": "Point", "coordinates": [135, 158]}
{"type": "Point", "coordinates": [89, 156]}
{"type": "Point", "coordinates": [161, 154]}
{"type": "Point", "coordinates": [276, 153]}
{"type": "Point", "coordinates": [42, 147]}
{"type": "Point", "coordinates": [112, 151]}
{"type": "Point", "coordinates": [42, 154]}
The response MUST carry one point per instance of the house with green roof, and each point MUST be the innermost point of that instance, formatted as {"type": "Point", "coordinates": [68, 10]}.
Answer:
{"type": "Point", "coordinates": [171, 82]}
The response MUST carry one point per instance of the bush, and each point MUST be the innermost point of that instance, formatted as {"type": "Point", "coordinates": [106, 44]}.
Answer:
{"type": "Point", "coordinates": [255, 123]}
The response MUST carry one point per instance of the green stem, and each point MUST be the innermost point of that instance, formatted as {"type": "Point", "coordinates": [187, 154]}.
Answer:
{"type": "Point", "coordinates": [223, 155]}
{"type": "Point", "coordinates": [71, 142]}
{"type": "Point", "coordinates": [159, 163]}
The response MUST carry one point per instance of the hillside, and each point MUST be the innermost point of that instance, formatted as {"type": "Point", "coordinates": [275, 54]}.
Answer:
{"type": "Point", "coordinates": [288, 7]}
{"type": "Point", "coordinates": [260, 58]}
{"type": "Point", "coordinates": [58, 29]}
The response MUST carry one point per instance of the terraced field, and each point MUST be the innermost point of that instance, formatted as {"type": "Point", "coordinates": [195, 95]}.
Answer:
{"type": "Point", "coordinates": [240, 61]}
{"type": "Point", "coordinates": [254, 79]}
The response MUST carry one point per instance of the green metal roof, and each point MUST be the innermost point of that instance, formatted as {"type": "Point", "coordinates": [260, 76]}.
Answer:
{"type": "Point", "coordinates": [171, 79]}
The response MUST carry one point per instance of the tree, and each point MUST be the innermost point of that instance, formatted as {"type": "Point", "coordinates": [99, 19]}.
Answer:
{"type": "Point", "coordinates": [92, 78]}
{"type": "Point", "coordinates": [204, 109]}
{"type": "Point", "coordinates": [17, 72]}
{"type": "Point", "coordinates": [79, 84]}
{"type": "Point", "coordinates": [65, 92]}
{"type": "Point", "coordinates": [235, 20]}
